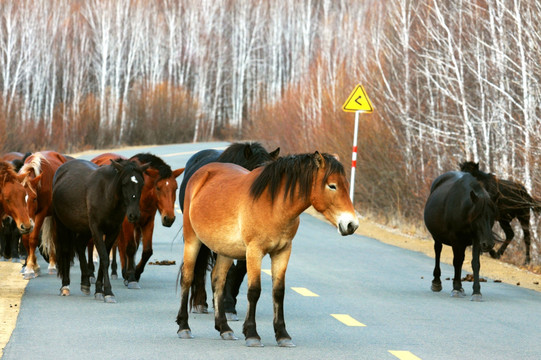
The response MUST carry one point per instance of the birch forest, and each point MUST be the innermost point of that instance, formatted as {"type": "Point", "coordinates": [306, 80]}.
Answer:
{"type": "Point", "coordinates": [449, 80]}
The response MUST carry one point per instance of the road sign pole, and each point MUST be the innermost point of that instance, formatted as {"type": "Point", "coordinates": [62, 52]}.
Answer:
{"type": "Point", "coordinates": [354, 156]}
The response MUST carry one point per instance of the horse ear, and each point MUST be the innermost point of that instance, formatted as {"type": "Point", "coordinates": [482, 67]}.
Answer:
{"type": "Point", "coordinates": [144, 167]}
{"type": "Point", "coordinates": [476, 166]}
{"type": "Point", "coordinates": [336, 156]}
{"type": "Point", "coordinates": [153, 173]}
{"type": "Point", "coordinates": [177, 172]}
{"type": "Point", "coordinates": [274, 155]}
{"type": "Point", "coordinates": [35, 181]}
{"type": "Point", "coordinates": [474, 197]}
{"type": "Point", "coordinates": [319, 160]}
{"type": "Point", "coordinates": [248, 151]}
{"type": "Point", "coordinates": [116, 165]}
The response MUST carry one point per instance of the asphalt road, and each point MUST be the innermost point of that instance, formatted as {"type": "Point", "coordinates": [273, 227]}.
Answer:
{"type": "Point", "coordinates": [368, 300]}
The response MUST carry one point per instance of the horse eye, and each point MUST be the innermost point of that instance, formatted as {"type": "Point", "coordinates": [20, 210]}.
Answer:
{"type": "Point", "coordinates": [332, 186]}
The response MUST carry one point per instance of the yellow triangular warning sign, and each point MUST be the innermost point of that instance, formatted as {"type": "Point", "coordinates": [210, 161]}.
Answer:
{"type": "Point", "coordinates": [358, 101]}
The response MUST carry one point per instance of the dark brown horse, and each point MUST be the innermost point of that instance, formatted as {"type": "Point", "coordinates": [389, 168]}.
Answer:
{"type": "Point", "coordinates": [40, 197]}
{"type": "Point", "coordinates": [459, 213]}
{"type": "Point", "coordinates": [240, 214]}
{"type": "Point", "coordinates": [158, 194]}
{"type": "Point", "coordinates": [249, 155]}
{"type": "Point", "coordinates": [512, 201]}
{"type": "Point", "coordinates": [91, 202]}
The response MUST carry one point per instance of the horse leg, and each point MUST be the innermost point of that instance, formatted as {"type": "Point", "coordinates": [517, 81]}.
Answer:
{"type": "Point", "coordinates": [458, 260]}
{"type": "Point", "coordinates": [219, 274]}
{"type": "Point", "coordinates": [13, 239]}
{"type": "Point", "coordinates": [525, 223]}
{"type": "Point", "coordinates": [253, 266]}
{"type": "Point", "coordinates": [191, 249]}
{"type": "Point", "coordinates": [31, 270]}
{"type": "Point", "coordinates": [198, 299]}
{"type": "Point", "coordinates": [279, 266]}
{"type": "Point", "coordinates": [90, 262]}
{"type": "Point", "coordinates": [234, 279]}
{"type": "Point", "coordinates": [114, 264]}
{"type": "Point", "coordinates": [63, 242]}
{"type": "Point", "coordinates": [131, 240]}
{"type": "Point", "coordinates": [147, 232]}
{"type": "Point", "coordinates": [436, 282]}
{"type": "Point", "coordinates": [509, 234]}
{"type": "Point", "coordinates": [103, 284]}
{"type": "Point", "coordinates": [85, 274]}
{"type": "Point", "coordinates": [476, 265]}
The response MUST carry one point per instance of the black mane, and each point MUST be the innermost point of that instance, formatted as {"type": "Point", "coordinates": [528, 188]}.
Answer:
{"type": "Point", "coordinates": [247, 155]}
{"type": "Point", "coordinates": [297, 170]}
{"type": "Point", "coordinates": [155, 163]}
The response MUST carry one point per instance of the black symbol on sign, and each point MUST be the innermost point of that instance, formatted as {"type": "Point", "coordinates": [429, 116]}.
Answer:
{"type": "Point", "coordinates": [358, 100]}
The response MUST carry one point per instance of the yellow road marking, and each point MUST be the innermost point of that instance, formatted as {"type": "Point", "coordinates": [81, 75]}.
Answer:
{"type": "Point", "coordinates": [267, 271]}
{"type": "Point", "coordinates": [346, 319]}
{"type": "Point", "coordinates": [404, 355]}
{"type": "Point", "coordinates": [304, 291]}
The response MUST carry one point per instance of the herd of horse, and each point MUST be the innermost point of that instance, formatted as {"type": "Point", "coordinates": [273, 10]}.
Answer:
{"type": "Point", "coordinates": [239, 204]}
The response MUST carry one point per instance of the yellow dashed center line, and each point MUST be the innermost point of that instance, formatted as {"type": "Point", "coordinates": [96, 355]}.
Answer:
{"type": "Point", "coordinates": [404, 355]}
{"type": "Point", "coordinates": [346, 319]}
{"type": "Point", "coordinates": [304, 291]}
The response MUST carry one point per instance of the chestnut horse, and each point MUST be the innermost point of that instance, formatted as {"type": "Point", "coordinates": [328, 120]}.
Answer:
{"type": "Point", "coordinates": [241, 214]}
{"type": "Point", "coordinates": [158, 194]}
{"type": "Point", "coordinates": [249, 155]}
{"type": "Point", "coordinates": [13, 198]}
{"type": "Point", "coordinates": [40, 198]}
{"type": "Point", "coordinates": [91, 202]}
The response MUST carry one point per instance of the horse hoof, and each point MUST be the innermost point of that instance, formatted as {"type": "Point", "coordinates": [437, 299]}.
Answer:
{"type": "Point", "coordinates": [133, 285]}
{"type": "Point", "coordinates": [458, 293]}
{"type": "Point", "coordinates": [99, 296]}
{"type": "Point", "coordinates": [285, 343]}
{"type": "Point", "coordinates": [436, 287]}
{"type": "Point", "coordinates": [185, 334]}
{"type": "Point", "coordinates": [92, 279]}
{"type": "Point", "coordinates": [231, 316]}
{"type": "Point", "coordinates": [126, 282]}
{"type": "Point", "coordinates": [254, 342]}
{"type": "Point", "coordinates": [114, 276]}
{"type": "Point", "coordinates": [85, 289]}
{"type": "Point", "coordinates": [476, 297]}
{"type": "Point", "coordinates": [65, 291]}
{"type": "Point", "coordinates": [200, 309]}
{"type": "Point", "coordinates": [109, 299]}
{"type": "Point", "coordinates": [228, 335]}
{"type": "Point", "coordinates": [29, 275]}
{"type": "Point", "coordinates": [51, 270]}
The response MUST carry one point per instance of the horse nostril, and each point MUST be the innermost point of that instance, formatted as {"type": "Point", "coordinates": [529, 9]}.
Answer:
{"type": "Point", "coordinates": [352, 227]}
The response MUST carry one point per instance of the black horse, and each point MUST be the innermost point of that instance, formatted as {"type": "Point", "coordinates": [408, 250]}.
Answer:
{"type": "Point", "coordinates": [91, 202]}
{"type": "Point", "coordinates": [248, 155]}
{"type": "Point", "coordinates": [512, 201]}
{"type": "Point", "coordinates": [459, 213]}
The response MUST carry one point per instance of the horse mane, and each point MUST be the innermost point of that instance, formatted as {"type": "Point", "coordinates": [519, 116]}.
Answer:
{"type": "Point", "coordinates": [155, 163]}
{"type": "Point", "coordinates": [7, 172]}
{"type": "Point", "coordinates": [298, 171]}
{"type": "Point", "coordinates": [34, 164]}
{"type": "Point", "coordinates": [237, 153]}
{"type": "Point", "coordinates": [487, 179]}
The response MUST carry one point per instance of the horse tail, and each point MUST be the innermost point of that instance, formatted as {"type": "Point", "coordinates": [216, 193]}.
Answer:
{"type": "Point", "coordinates": [48, 233]}
{"type": "Point", "coordinates": [64, 240]}
{"type": "Point", "coordinates": [536, 205]}
{"type": "Point", "coordinates": [204, 261]}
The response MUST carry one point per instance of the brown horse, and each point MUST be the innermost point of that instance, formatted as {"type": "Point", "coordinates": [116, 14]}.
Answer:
{"type": "Point", "coordinates": [241, 214]}
{"type": "Point", "coordinates": [158, 194]}
{"type": "Point", "coordinates": [13, 197]}
{"type": "Point", "coordinates": [40, 197]}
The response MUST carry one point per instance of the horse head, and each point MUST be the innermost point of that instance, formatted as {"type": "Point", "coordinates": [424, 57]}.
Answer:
{"type": "Point", "coordinates": [13, 198]}
{"type": "Point", "coordinates": [165, 189]}
{"type": "Point", "coordinates": [330, 196]}
{"type": "Point", "coordinates": [131, 181]}
{"type": "Point", "coordinates": [481, 217]}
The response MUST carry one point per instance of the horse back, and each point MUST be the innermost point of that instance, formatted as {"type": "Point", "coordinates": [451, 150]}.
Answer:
{"type": "Point", "coordinates": [450, 208]}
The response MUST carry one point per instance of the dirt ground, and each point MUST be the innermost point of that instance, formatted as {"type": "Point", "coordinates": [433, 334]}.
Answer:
{"type": "Point", "coordinates": [12, 284]}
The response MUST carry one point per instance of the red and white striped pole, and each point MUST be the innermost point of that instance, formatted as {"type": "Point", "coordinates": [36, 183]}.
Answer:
{"type": "Point", "coordinates": [354, 156]}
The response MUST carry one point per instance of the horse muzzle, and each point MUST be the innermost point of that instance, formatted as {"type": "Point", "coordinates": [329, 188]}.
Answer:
{"type": "Point", "coordinates": [133, 218]}
{"type": "Point", "coordinates": [167, 221]}
{"type": "Point", "coordinates": [26, 228]}
{"type": "Point", "coordinates": [347, 225]}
